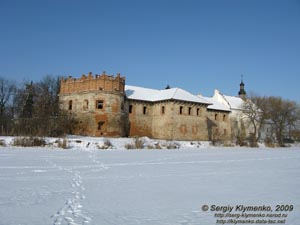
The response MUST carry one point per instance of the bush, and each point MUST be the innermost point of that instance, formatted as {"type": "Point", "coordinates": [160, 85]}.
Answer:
{"type": "Point", "coordinates": [155, 146]}
{"type": "Point", "coordinates": [241, 142]}
{"type": "Point", "coordinates": [62, 143]}
{"type": "Point", "coordinates": [2, 143]}
{"type": "Point", "coordinates": [252, 141]}
{"type": "Point", "coordinates": [269, 142]}
{"type": "Point", "coordinates": [228, 144]}
{"type": "Point", "coordinates": [137, 144]}
{"type": "Point", "coordinates": [129, 146]}
{"type": "Point", "coordinates": [106, 145]}
{"type": "Point", "coordinates": [172, 145]}
{"type": "Point", "coordinates": [217, 143]}
{"type": "Point", "coordinates": [29, 141]}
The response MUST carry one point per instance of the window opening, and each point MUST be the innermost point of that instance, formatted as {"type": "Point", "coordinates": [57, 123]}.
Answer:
{"type": "Point", "coordinates": [180, 110]}
{"type": "Point", "coordinates": [70, 104]}
{"type": "Point", "coordinates": [99, 104]}
{"type": "Point", "coordinates": [100, 125]}
{"type": "Point", "coordinates": [163, 109]}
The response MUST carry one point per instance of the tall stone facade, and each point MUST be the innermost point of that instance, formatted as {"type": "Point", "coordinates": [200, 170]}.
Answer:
{"type": "Point", "coordinates": [98, 103]}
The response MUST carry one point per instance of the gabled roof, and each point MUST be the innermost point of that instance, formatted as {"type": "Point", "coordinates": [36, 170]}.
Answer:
{"type": "Point", "coordinates": [231, 102]}
{"type": "Point", "coordinates": [152, 95]}
{"type": "Point", "coordinates": [234, 102]}
{"type": "Point", "coordinates": [216, 105]}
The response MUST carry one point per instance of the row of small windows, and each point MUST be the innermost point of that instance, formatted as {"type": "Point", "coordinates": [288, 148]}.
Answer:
{"type": "Point", "coordinates": [144, 109]}
{"type": "Point", "coordinates": [163, 110]}
{"type": "Point", "coordinates": [217, 117]}
{"type": "Point", "coordinates": [99, 104]}
{"type": "Point", "coordinates": [181, 110]}
{"type": "Point", "coordinates": [190, 111]}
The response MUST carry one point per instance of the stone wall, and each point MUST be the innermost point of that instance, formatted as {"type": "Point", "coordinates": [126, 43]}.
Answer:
{"type": "Point", "coordinates": [162, 125]}
{"type": "Point", "coordinates": [102, 109]}
{"type": "Point", "coordinates": [218, 125]}
{"type": "Point", "coordinates": [189, 122]}
{"type": "Point", "coordinates": [169, 120]}
{"type": "Point", "coordinates": [97, 103]}
{"type": "Point", "coordinates": [140, 118]}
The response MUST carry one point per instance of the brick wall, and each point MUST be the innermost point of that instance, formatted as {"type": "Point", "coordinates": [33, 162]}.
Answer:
{"type": "Point", "coordinates": [92, 83]}
{"type": "Point", "coordinates": [98, 103]}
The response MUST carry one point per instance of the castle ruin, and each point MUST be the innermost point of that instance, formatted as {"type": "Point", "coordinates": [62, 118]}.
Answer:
{"type": "Point", "coordinates": [104, 106]}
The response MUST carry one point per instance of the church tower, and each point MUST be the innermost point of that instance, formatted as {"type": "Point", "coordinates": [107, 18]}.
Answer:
{"type": "Point", "coordinates": [242, 92]}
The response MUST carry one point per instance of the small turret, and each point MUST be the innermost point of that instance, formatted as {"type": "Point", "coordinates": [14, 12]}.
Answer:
{"type": "Point", "coordinates": [242, 92]}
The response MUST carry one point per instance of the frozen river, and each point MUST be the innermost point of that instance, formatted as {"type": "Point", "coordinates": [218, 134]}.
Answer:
{"type": "Point", "coordinates": [154, 187]}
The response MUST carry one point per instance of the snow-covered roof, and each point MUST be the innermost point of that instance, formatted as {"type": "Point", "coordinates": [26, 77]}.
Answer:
{"type": "Point", "coordinates": [152, 95]}
{"type": "Point", "coordinates": [216, 105]}
{"type": "Point", "coordinates": [234, 102]}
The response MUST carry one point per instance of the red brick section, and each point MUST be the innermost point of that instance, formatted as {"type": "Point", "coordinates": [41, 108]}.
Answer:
{"type": "Point", "coordinates": [92, 83]}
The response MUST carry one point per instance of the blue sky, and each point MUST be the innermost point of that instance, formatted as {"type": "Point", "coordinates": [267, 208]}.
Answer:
{"type": "Point", "coordinates": [196, 45]}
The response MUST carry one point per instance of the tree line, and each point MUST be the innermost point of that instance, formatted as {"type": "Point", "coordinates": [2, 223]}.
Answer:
{"type": "Point", "coordinates": [32, 108]}
{"type": "Point", "coordinates": [272, 119]}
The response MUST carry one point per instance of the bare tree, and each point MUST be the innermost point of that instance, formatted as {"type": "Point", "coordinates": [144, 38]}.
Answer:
{"type": "Point", "coordinates": [283, 115]}
{"type": "Point", "coordinates": [7, 89]}
{"type": "Point", "coordinates": [47, 98]}
{"type": "Point", "coordinates": [295, 131]}
{"type": "Point", "coordinates": [37, 112]}
{"type": "Point", "coordinates": [256, 113]}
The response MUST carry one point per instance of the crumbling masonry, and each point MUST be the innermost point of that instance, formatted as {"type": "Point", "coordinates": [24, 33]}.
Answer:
{"type": "Point", "coordinates": [102, 108]}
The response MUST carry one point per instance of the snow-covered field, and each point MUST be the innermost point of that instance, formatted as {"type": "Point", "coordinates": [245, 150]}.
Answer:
{"type": "Point", "coordinates": [51, 186]}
